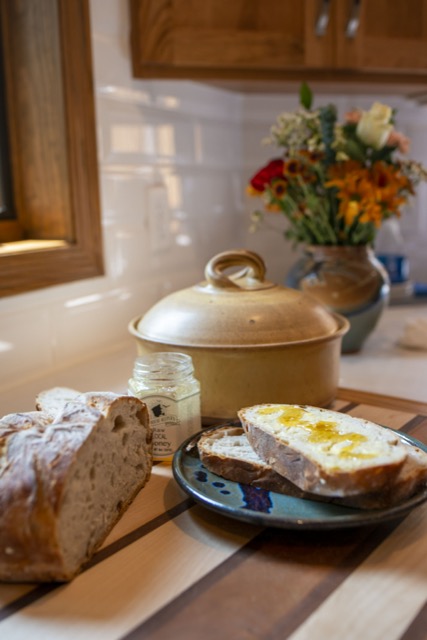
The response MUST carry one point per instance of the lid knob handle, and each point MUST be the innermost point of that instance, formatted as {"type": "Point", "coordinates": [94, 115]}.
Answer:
{"type": "Point", "coordinates": [251, 277]}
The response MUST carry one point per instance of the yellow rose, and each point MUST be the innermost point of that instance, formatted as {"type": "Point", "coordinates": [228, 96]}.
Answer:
{"type": "Point", "coordinates": [374, 125]}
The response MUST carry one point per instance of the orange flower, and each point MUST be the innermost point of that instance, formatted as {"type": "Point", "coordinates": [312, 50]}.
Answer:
{"type": "Point", "coordinates": [294, 168]}
{"type": "Point", "coordinates": [341, 169]}
{"type": "Point", "coordinates": [350, 184]}
{"type": "Point", "coordinates": [311, 156]}
{"type": "Point", "coordinates": [369, 194]}
{"type": "Point", "coordinates": [253, 193]}
{"type": "Point", "coordinates": [272, 207]}
{"type": "Point", "coordinates": [371, 212]}
{"type": "Point", "coordinates": [389, 184]}
{"type": "Point", "coordinates": [350, 211]}
{"type": "Point", "coordinates": [279, 187]}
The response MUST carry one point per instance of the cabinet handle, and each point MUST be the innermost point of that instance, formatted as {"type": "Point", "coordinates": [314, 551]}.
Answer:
{"type": "Point", "coordinates": [354, 20]}
{"type": "Point", "coordinates": [323, 19]}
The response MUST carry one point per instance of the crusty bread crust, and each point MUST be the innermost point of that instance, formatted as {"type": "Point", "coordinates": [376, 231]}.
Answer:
{"type": "Point", "coordinates": [61, 488]}
{"type": "Point", "coordinates": [304, 466]}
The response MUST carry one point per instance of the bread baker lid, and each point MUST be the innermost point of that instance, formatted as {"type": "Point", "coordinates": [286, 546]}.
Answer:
{"type": "Point", "coordinates": [239, 310]}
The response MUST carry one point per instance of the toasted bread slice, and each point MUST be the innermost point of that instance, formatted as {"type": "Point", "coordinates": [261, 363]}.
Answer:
{"type": "Point", "coordinates": [323, 451]}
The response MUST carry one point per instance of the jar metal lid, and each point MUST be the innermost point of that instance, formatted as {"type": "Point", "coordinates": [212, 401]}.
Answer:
{"type": "Point", "coordinates": [163, 365]}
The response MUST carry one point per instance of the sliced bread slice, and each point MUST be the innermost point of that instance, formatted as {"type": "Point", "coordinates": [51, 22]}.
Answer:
{"type": "Point", "coordinates": [323, 451]}
{"type": "Point", "coordinates": [226, 452]}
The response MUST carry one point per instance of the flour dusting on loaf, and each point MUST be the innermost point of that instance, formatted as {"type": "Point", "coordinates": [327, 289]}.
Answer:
{"type": "Point", "coordinates": [68, 471]}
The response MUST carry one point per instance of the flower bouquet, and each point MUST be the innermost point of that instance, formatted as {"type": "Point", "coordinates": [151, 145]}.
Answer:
{"type": "Point", "coordinates": [335, 182]}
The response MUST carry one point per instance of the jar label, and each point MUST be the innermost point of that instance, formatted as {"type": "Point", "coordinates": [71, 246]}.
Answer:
{"type": "Point", "coordinates": [172, 421]}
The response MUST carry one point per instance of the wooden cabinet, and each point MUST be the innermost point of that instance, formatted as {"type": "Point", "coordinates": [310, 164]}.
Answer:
{"type": "Point", "coordinates": [391, 36]}
{"type": "Point", "coordinates": [226, 38]}
{"type": "Point", "coordinates": [379, 40]}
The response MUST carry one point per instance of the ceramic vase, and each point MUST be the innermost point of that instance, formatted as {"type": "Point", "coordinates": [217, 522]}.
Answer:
{"type": "Point", "coordinates": [348, 280]}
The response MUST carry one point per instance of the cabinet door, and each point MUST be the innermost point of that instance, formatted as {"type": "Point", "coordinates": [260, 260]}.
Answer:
{"type": "Point", "coordinates": [226, 38]}
{"type": "Point", "coordinates": [388, 35]}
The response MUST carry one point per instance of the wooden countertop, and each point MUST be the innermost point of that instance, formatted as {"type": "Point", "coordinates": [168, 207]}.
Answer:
{"type": "Point", "coordinates": [173, 569]}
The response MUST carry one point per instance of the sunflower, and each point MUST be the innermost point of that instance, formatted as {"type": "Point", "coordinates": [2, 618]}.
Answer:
{"type": "Point", "coordinates": [279, 187]}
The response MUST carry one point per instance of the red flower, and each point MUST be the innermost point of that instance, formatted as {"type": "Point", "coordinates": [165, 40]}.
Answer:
{"type": "Point", "coordinates": [264, 177]}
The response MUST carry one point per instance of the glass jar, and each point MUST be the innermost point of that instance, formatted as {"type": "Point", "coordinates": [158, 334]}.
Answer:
{"type": "Point", "coordinates": [165, 382]}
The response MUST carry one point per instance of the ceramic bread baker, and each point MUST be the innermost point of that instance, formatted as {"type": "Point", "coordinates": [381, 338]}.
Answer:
{"type": "Point", "coordinates": [251, 341]}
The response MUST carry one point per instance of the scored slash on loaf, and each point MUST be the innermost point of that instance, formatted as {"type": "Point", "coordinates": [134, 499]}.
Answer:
{"type": "Point", "coordinates": [318, 454]}
{"type": "Point", "coordinates": [68, 471]}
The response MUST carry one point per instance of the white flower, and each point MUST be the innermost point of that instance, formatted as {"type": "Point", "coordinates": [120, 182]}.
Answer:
{"type": "Point", "coordinates": [296, 131]}
{"type": "Point", "coordinates": [374, 125]}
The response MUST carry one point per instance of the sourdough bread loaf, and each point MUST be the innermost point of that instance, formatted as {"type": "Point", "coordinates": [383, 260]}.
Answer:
{"type": "Point", "coordinates": [323, 451]}
{"type": "Point", "coordinates": [67, 473]}
{"type": "Point", "coordinates": [226, 452]}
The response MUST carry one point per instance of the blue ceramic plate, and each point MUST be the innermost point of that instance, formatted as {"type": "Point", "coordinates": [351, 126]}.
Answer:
{"type": "Point", "coordinates": [267, 508]}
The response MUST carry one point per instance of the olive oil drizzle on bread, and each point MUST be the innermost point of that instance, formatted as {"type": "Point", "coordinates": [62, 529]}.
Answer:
{"type": "Point", "coordinates": [323, 451]}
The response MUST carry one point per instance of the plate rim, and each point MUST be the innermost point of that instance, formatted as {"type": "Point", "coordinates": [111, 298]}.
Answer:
{"type": "Point", "coordinates": [362, 517]}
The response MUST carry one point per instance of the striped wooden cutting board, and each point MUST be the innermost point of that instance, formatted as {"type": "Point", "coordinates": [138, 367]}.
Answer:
{"type": "Point", "coordinates": [172, 569]}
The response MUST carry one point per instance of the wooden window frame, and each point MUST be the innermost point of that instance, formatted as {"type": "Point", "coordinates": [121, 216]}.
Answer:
{"type": "Point", "coordinates": [57, 236]}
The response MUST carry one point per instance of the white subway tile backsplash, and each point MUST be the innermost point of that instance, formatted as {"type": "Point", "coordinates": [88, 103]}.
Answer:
{"type": "Point", "coordinates": [177, 280]}
{"type": "Point", "coordinates": [194, 99]}
{"type": "Point", "coordinates": [131, 134]}
{"type": "Point", "coordinates": [219, 144]}
{"type": "Point", "coordinates": [27, 342]}
{"type": "Point", "coordinates": [134, 134]}
{"type": "Point", "coordinates": [111, 57]}
{"type": "Point", "coordinates": [174, 161]}
{"type": "Point", "coordinates": [124, 196]}
{"type": "Point", "coordinates": [91, 326]}
{"type": "Point", "coordinates": [127, 249]}
{"type": "Point", "coordinates": [109, 17]}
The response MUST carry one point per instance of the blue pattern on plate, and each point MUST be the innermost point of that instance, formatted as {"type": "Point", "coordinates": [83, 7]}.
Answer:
{"type": "Point", "coordinates": [253, 498]}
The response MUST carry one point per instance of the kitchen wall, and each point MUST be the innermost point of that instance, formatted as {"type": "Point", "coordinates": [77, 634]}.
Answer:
{"type": "Point", "coordinates": [174, 158]}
